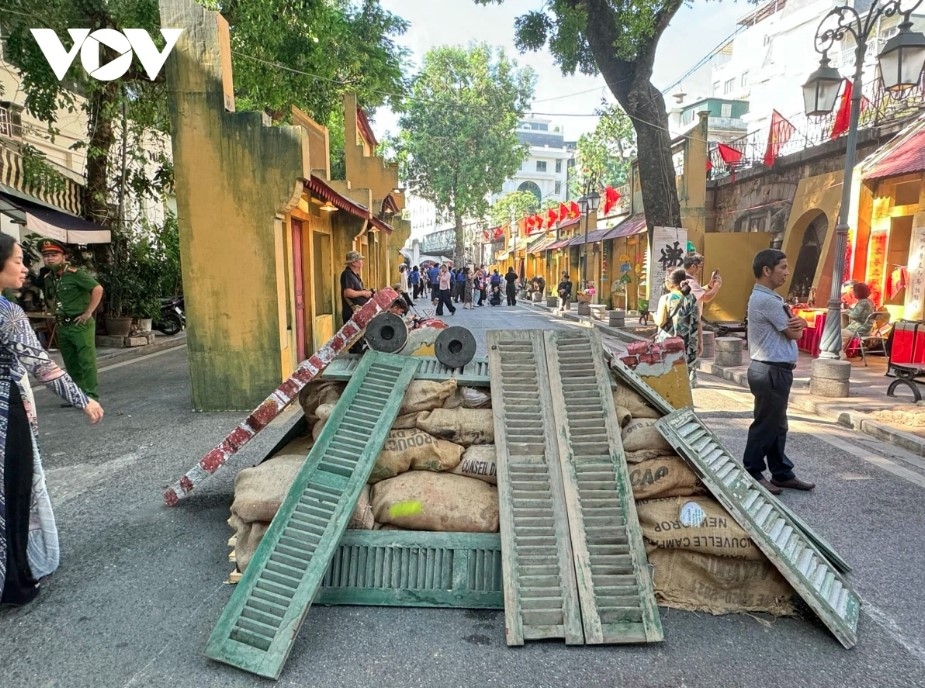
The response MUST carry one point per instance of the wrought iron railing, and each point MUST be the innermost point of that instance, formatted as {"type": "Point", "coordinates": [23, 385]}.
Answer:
{"type": "Point", "coordinates": [878, 108]}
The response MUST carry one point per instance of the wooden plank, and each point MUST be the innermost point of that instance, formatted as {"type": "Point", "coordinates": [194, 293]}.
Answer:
{"type": "Point", "coordinates": [280, 398]}
{"type": "Point", "coordinates": [473, 374]}
{"type": "Point", "coordinates": [262, 619]}
{"type": "Point", "coordinates": [603, 524]}
{"type": "Point", "coordinates": [536, 550]}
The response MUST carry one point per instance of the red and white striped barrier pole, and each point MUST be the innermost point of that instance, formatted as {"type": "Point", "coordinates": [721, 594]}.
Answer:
{"type": "Point", "coordinates": [281, 397]}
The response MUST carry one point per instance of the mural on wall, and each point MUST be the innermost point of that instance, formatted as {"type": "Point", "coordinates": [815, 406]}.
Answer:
{"type": "Point", "coordinates": [669, 246]}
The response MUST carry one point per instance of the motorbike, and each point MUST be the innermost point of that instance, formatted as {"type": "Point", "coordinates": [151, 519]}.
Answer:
{"type": "Point", "coordinates": [172, 319]}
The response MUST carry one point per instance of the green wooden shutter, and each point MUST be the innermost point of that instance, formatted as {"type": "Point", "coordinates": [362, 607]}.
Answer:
{"type": "Point", "coordinates": [794, 554]}
{"type": "Point", "coordinates": [473, 374]}
{"type": "Point", "coordinates": [259, 625]}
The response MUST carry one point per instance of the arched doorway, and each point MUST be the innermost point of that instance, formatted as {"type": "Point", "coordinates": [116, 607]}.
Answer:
{"type": "Point", "coordinates": [533, 188]}
{"type": "Point", "coordinates": [804, 269]}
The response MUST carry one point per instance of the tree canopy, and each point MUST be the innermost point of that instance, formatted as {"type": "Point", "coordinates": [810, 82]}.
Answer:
{"type": "Point", "coordinates": [603, 153]}
{"type": "Point", "coordinates": [515, 205]}
{"type": "Point", "coordinates": [617, 39]}
{"type": "Point", "coordinates": [457, 142]}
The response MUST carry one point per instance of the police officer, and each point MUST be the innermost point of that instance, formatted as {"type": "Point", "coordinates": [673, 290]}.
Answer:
{"type": "Point", "coordinates": [75, 295]}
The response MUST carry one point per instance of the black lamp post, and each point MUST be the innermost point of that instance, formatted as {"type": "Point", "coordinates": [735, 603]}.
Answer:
{"type": "Point", "coordinates": [587, 204]}
{"type": "Point", "coordinates": [901, 62]}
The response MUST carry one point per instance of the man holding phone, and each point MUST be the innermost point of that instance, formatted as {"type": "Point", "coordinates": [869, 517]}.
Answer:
{"type": "Point", "coordinates": [773, 332]}
{"type": "Point", "coordinates": [693, 264]}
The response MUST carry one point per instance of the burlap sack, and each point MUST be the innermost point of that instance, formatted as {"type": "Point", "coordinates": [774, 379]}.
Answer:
{"type": "Point", "coordinates": [696, 523]}
{"type": "Point", "coordinates": [718, 585]}
{"type": "Point", "coordinates": [424, 395]}
{"type": "Point", "coordinates": [317, 428]}
{"type": "Point", "coordinates": [436, 501]}
{"type": "Point", "coordinates": [641, 434]}
{"type": "Point", "coordinates": [319, 392]}
{"type": "Point", "coordinates": [362, 518]}
{"type": "Point", "coordinates": [480, 462]}
{"type": "Point", "coordinates": [623, 416]}
{"type": "Point", "coordinates": [473, 397]}
{"type": "Point", "coordinates": [258, 491]}
{"type": "Point", "coordinates": [662, 477]}
{"type": "Point", "coordinates": [454, 401]}
{"type": "Point", "coordinates": [405, 421]}
{"type": "Point", "coordinates": [462, 426]}
{"type": "Point", "coordinates": [633, 402]}
{"type": "Point", "coordinates": [247, 537]}
{"type": "Point", "coordinates": [414, 449]}
{"type": "Point", "coordinates": [324, 411]}
{"type": "Point", "coordinates": [646, 454]}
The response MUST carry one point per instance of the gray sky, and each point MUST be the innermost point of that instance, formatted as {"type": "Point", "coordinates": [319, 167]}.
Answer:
{"type": "Point", "coordinates": [695, 31]}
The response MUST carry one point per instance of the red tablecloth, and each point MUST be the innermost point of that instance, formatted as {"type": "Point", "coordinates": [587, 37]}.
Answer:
{"type": "Point", "coordinates": [812, 334]}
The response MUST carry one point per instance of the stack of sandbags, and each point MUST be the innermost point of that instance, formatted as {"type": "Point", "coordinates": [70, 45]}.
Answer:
{"type": "Point", "coordinates": [702, 559]}
{"type": "Point", "coordinates": [436, 470]}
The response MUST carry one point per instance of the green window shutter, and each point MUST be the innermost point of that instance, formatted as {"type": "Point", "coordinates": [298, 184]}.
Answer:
{"type": "Point", "coordinates": [473, 374]}
{"type": "Point", "coordinates": [818, 581]}
{"type": "Point", "coordinates": [262, 619]}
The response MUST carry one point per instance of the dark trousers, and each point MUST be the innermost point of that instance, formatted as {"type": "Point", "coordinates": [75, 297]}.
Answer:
{"type": "Point", "coordinates": [434, 293]}
{"type": "Point", "coordinates": [767, 435]}
{"type": "Point", "coordinates": [415, 290]}
{"type": "Point", "coordinates": [481, 297]}
{"type": "Point", "coordinates": [443, 299]}
{"type": "Point", "coordinates": [511, 295]}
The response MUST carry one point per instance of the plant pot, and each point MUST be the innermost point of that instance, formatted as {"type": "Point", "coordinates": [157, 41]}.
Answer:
{"type": "Point", "coordinates": [118, 326]}
{"type": "Point", "coordinates": [141, 325]}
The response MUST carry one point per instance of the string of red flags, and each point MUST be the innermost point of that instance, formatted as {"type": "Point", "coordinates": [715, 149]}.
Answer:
{"type": "Point", "coordinates": [780, 133]}
{"type": "Point", "coordinates": [611, 198]}
{"type": "Point", "coordinates": [729, 155]}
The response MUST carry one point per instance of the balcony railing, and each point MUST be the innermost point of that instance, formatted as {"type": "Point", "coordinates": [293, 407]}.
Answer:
{"type": "Point", "coordinates": [878, 108]}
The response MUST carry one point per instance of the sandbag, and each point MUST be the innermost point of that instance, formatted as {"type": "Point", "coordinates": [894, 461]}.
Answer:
{"type": "Point", "coordinates": [633, 402]}
{"type": "Point", "coordinates": [454, 401]}
{"type": "Point", "coordinates": [462, 426]}
{"type": "Point", "coordinates": [405, 421]}
{"type": "Point", "coordinates": [480, 462]}
{"type": "Point", "coordinates": [424, 395]}
{"type": "Point", "coordinates": [623, 416]}
{"type": "Point", "coordinates": [247, 537]}
{"type": "Point", "coordinates": [658, 478]}
{"type": "Point", "coordinates": [641, 434]}
{"type": "Point", "coordinates": [718, 585]}
{"type": "Point", "coordinates": [317, 428]}
{"type": "Point", "coordinates": [407, 449]}
{"type": "Point", "coordinates": [447, 503]}
{"type": "Point", "coordinates": [324, 411]}
{"type": "Point", "coordinates": [362, 518]}
{"type": "Point", "coordinates": [646, 454]}
{"type": "Point", "coordinates": [259, 490]}
{"type": "Point", "coordinates": [472, 397]}
{"type": "Point", "coordinates": [319, 392]}
{"type": "Point", "coordinates": [696, 523]}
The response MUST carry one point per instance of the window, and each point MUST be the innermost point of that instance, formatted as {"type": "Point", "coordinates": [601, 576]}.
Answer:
{"type": "Point", "coordinates": [716, 86]}
{"type": "Point", "coordinates": [558, 168]}
{"type": "Point", "coordinates": [906, 193]}
{"type": "Point", "coordinates": [743, 80]}
{"type": "Point", "coordinates": [558, 188]}
{"type": "Point", "coordinates": [726, 110]}
{"type": "Point", "coordinates": [10, 120]}
{"type": "Point", "coordinates": [729, 86]}
{"type": "Point", "coordinates": [540, 165]}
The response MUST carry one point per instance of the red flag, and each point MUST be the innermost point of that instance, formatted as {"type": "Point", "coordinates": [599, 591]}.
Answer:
{"type": "Point", "coordinates": [611, 197]}
{"type": "Point", "coordinates": [528, 223]}
{"type": "Point", "coordinates": [551, 217]}
{"type": "Point", "coordinates": [563, 212]}
{"type": "Point", "coordinates": [729, 154]}
{"type": "Point", "coordinates": [499, 232]}
{"type": "Point", "coordinates": [538, 221]}
{"type": "Point", "coordinates": [843, 115]}
{"type": "Point", "coordinates": [781, 131]}
{"type": "Point", "coordinates": [573, 210]}
{"type": "Point", "coordinates": [485, 235]}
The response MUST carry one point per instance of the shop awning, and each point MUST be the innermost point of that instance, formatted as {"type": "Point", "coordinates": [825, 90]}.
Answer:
{"type": "Point", "coordinates": [561, 243]}
{"type": "Point", "coordinates": [542, 244]}
{"type": "Point", "coordinates": [48, 222]}
{"type": "Point", "coordinates": [634, 224]}
{"type": "Point", "coordinates": [320, 188]}
{"type": "Point", "coordinates": [908, 156]}
{"type": "Point", "coordinates": [594, 236]}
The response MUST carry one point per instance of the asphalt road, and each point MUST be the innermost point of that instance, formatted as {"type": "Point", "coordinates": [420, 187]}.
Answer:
{"type": "Point", "coordinates": [141, 585]}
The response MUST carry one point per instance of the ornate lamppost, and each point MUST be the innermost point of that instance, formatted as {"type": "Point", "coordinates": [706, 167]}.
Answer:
{"type": "Point", "coordinates": [901, 62]}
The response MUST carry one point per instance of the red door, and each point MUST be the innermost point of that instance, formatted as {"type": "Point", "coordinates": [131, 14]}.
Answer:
{"type": "Point", "coordinates": [299, 288]}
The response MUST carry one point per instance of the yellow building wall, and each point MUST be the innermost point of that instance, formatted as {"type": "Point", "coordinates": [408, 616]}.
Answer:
{"type": "Point", "coordinates": [692, 185]}
{"type": "Point", "coordinates": [731, 253]}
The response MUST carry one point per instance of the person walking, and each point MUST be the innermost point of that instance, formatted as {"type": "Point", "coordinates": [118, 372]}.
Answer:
{"type": "Point", "coordinates": [415, 280]}
{"type": "Point", "coordinates": [693, 265]}
{"type": "Point", "coordinates": [444, 284]}
{"type": "Point", "coordinates": [433, 277]}
{"type": "Point", "coordinates": [511, 288]}
{"type": "Point", "coordinates": [773, 332]}
{"type": "Point", "coordinates": [480, 284]}
{"type": "Point", "coordinates": [28, 534]}
{"type": "Point", "coordinates": [676, 314]}
{"type": "Point", "coordinates": [403, 279]}
{"type": "Point", "coordinates": [459, 284]}
{"type": "Point", "coordinates": [468, 288]}
{"type": "Point", "coordinates": [565, 292]}
{"type": "Point", "coordinates": [76, 295]}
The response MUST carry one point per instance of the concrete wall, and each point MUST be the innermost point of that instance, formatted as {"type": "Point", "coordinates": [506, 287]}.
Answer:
{"type": "Point", "coordinates": [236, 178]}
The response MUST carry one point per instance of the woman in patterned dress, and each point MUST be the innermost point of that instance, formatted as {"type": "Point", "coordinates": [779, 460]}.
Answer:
{"type": "Point", "coordinates": [677, 314]}
{"type": "Point", "coordinates": [468, 288]}
{"type": "Point", "coordinates": [28, 536]}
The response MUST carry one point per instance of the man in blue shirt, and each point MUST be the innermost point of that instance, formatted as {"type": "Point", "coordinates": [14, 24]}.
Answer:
{"type": "Point", "coordinates": [433, 275]}
{"type": "Point", "coordinates": [773, 332]}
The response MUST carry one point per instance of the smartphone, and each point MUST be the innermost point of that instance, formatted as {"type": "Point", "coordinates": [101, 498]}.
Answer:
{"type": "Point", "coordinates": [714, 275]}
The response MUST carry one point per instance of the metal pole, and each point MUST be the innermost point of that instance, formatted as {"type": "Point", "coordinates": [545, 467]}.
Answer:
{"type": "Point", "coordinates": [584, 267]}
{"type": "Point", "coordinates": [830, 345]}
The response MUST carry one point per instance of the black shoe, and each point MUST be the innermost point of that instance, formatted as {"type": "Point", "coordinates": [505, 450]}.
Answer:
{"type": "Point", "coordinates": [773, 489]}
{"type": "Point", "coordinates": [793, 483]}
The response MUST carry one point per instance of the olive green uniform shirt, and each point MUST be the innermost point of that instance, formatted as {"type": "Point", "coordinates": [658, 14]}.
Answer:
{"type": "Point", "coordinates": [70, 291]}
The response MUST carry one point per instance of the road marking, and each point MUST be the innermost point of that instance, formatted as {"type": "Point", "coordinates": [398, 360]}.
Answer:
{"type": "Point", "coordinates": [136, 359]}
{"type": "Point", "coordinates": [886, 622]}
{"type": "Point", "coordinates": [69, 482]}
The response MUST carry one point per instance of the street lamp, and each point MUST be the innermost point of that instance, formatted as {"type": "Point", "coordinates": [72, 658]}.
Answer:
{"type": "Point", "coordinates": [901, 63]}
{"type": "Point", "coordinates": [587, 204]}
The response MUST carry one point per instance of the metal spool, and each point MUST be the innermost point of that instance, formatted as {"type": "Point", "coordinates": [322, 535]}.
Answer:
{"type": "Point", "coordinates": [387, 333]}
{"type": "Point", "coordinates": [455, 347]}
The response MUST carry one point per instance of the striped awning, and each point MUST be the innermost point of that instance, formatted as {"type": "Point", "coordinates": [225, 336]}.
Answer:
{"type": "Point", "coordinates": [50, 222]}
{"type": "Point", "coordinates": [635, 224]}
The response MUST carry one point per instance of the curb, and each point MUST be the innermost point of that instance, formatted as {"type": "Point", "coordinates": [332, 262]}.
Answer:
{"type": "Point", "coordinates": [855, 420]}
{"type": "Point", "coordinates": [119, 355]}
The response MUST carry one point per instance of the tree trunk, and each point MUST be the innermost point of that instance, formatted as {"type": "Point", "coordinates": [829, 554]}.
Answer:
{"type": "Point", "coordinates": [459, 252]}
{"type": "Point", "coordinates": [102, 138]}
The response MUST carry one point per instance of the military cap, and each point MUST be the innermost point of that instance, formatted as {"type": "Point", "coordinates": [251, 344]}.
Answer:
{"type": "Point", "coordinates": [51, 246]}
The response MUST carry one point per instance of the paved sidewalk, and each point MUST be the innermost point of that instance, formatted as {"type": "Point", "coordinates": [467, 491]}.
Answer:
{"type": "Point", "coordinates": [867, 393]}
{"type": "Point", "coordinates": [109, 355]}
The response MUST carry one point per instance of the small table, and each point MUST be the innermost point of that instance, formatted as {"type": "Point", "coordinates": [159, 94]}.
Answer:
{"type": "Point", "coordinates": [44, 324]}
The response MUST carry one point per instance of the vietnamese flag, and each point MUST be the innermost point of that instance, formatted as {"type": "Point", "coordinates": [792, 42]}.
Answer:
{"type": "Point", "coordinates": [573, 210]}
{"type": "Point", "coordinates": [563, 212]}
{"type": "Point", "coordinates": [611, 198]}
{"type": "Point", "coordinates": [551, 217]}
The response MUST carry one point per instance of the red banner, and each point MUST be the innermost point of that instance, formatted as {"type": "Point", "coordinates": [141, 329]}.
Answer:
{"type": "Point", "coordinates": [781, 131]}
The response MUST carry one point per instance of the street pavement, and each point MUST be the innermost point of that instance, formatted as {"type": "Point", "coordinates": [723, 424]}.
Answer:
{"type": "Point", "coordinates": [141, 585]}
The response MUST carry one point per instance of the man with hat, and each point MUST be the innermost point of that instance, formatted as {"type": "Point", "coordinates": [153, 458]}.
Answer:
{"type": "Point", "coordinates": [75, 295]}
{"type": "Point", "coordinates": [352, 292]}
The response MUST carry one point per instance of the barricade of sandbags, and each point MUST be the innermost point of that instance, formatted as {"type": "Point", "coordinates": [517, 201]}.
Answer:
{"type": "Point", "coordinates": [422, 500]}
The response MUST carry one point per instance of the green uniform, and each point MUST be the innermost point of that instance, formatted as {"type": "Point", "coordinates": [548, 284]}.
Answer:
{"type": "Point", "coordinates": [70, 291]}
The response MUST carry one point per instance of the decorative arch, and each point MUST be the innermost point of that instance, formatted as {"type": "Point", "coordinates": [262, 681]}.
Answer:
{"type": "Point", "coordinates": [533, 188]}
{"type": "Point", "coordinates": [804, 249]}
